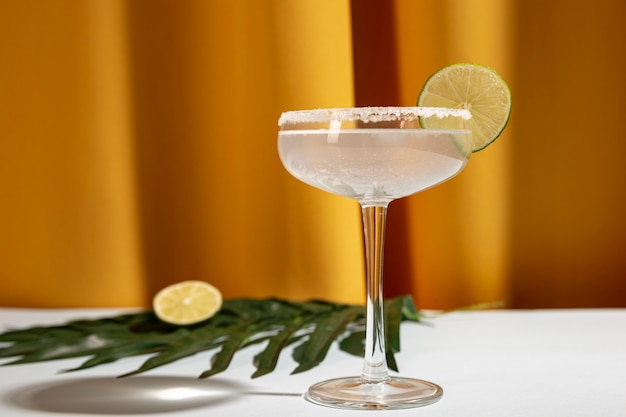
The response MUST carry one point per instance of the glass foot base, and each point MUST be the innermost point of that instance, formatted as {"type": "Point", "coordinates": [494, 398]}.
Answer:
{"type": "Point", "coordinates": [354, 393]}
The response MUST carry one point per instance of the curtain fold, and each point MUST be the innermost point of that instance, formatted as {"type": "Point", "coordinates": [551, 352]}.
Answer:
{"type": "Point", "coordinates": [68, 218]}
{"type": "Point", "coordinates": [474, 256]}
{"type": "Point", "coordinates": [139, 149]}
{"type": "Point", "coordinates": [447, 246]}
{"type": "Point", "coordinates": [569, 201]}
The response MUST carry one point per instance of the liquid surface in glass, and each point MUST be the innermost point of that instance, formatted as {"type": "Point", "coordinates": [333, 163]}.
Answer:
{"type": "Point", "coordinates": [373, 166]}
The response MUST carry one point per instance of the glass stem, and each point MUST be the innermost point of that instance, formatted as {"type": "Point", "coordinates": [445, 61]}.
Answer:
{"type": "Point", "coordinates": [375, 363]}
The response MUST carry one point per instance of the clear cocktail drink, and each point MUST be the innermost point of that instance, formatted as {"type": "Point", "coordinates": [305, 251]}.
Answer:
{"type": "Point", "coordinates": [373, 166]}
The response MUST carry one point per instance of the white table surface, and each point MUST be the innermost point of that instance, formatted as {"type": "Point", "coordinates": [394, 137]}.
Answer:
{"type": "Point", "coordinates": [547, 363]}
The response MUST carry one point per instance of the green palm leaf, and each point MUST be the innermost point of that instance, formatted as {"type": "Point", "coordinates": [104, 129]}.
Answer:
{"type": "Point", "coordinates": [328, 327]}
{"type": "Point", "coordinates": [312, 325]}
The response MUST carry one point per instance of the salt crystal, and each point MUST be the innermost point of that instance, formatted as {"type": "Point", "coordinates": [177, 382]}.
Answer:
{"type": "Point", "coordinates": [369, 114]}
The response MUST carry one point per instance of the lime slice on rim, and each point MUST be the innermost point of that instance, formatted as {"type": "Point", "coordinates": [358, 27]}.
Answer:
{"type": "Point", "coordinates": [187, 302]}
{"type": "Point", "coordinates": [476, 88]}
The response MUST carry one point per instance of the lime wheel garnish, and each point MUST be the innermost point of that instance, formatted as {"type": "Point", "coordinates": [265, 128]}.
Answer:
{"type": "Point", "coordinates": [476, 88]}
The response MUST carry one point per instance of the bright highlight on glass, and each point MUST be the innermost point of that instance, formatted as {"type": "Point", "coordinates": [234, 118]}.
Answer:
{"type": "Point", "coordinates": [374, 155]}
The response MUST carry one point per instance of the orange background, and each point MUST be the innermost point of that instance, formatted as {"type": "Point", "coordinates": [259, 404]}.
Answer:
{"type": "Point", "coordinates": [138, 149]}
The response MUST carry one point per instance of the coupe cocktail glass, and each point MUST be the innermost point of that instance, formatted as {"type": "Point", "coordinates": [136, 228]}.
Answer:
{"type": "Point", "coordinates": [374, 155]}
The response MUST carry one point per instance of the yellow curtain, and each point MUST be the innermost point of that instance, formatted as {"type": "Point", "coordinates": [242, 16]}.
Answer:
{"type": "Point", "coordinates": [446, 246]}
{"type": "Point", "coordinates": [68, 218]}
{"type": "Point", "coordinates": [138, 149]}
{"type": "Point", "coordinates": [569, 202]}
{"type": "Point", "coordinates": [459, 230]}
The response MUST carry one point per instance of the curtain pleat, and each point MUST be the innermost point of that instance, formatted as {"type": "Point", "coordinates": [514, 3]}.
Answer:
{"type": "Point", "coordinates": [568, 207]}
{"type": "Point", "coordinates": [473, 247]}
{"type": "Point", "coordinates": [447, 246]}
{"type": "Point", "coordinates": [68, 218]}
{"type": "Point", "coordinates": [139, 149]}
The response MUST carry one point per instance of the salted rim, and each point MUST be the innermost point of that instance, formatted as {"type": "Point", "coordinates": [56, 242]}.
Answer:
{"type": "Point", "coordinates": [369, 114]}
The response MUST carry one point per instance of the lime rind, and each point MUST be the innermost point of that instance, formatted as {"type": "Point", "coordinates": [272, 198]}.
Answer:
{"type": "Point", "coordinates": [476, 88]}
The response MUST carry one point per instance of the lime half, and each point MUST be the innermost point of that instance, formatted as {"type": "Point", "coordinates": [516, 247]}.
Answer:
{"type": "Point", "coordinates": [476, 88]}
{"type": "Point", "coordinates": [187, 302]}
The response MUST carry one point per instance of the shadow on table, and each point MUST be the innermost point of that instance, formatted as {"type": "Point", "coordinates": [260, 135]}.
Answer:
{"type": "Point", "coordinates": [136, 395]}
